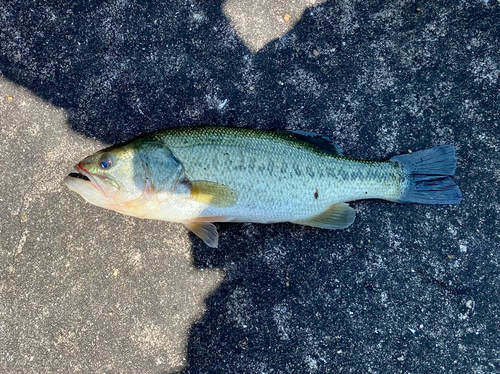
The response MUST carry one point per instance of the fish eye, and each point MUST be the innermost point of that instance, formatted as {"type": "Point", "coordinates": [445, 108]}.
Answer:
{"type": "Point", "coordinates": [106, 161]}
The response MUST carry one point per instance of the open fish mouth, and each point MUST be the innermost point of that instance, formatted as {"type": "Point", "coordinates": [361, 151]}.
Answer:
{"type": "Point", "coordinates": [79, 176]}
{"type": "Point", "coordinates": [85, 175]}
{"type": "Point", "coordinates": [103, 184]}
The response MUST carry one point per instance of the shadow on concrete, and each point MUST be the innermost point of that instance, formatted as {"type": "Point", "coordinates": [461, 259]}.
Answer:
{"type": "Point", "coordinates": [299, 300]}
{"type": "Point", "coordinates": [379, 77]}
{"type": "Point", "coordinates": [122, 68]}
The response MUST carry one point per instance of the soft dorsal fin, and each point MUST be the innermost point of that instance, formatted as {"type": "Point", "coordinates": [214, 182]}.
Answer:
{"type": "Point", "coordinates": [215, 194]}
{"type": "Point", "coordinates": [319, 141]}
{"type": "Point", "coordinates": [336, 216]}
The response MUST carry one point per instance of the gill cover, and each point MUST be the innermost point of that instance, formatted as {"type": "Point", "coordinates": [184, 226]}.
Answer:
{"type": "Point", "coordinates": [158, 169]}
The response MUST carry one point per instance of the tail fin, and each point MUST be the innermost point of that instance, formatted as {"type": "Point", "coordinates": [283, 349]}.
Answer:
{"type": "Point", "coordinates": [427, 176]}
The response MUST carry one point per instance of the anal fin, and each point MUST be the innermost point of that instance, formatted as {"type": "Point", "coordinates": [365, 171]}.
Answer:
{"type": "Point", "coordinates": [336, 216]}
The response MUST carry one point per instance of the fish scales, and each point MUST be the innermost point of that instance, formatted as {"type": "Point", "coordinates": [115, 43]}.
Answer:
{"type": "Point", "coordinates": [201, 175]}
{"type": "Point", "coordinates": [277, 176]}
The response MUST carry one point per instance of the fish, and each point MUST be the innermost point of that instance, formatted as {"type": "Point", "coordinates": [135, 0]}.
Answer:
{"type": "Point", "coordinates": [201, 175]}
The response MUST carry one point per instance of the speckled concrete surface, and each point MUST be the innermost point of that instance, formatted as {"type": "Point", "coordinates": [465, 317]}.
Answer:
{"type": "Point", "coordinates": [406, 289]}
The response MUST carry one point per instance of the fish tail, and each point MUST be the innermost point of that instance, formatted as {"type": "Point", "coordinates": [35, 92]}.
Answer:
{"type": "Point", "coordinates": [427, 176]}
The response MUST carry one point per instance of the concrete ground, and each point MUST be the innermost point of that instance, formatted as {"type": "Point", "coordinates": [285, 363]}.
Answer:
{"type": "Point", "coordinates": [406, 289]}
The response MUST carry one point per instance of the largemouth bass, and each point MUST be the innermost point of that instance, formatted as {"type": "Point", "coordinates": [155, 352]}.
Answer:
{"type": "Point", "coordinates": [200, 175]}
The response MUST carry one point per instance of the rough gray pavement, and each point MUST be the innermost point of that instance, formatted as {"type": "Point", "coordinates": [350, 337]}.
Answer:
{"type": "Point", "coordinates": [406, 289]}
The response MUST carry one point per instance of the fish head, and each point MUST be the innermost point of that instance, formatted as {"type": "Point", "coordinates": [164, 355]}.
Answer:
{"type": "Point", "coordinates": [128, 178]}
{"type": "Point", "coordinates": [108, 177]}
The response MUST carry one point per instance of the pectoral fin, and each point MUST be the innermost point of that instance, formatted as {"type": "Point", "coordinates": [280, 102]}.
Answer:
{"type": "Point", "coordinates": [206, 231]}
{"type": "Point", "coordinates": [337, 216]}
{"type": "Point", "coordinates": [215, 194]}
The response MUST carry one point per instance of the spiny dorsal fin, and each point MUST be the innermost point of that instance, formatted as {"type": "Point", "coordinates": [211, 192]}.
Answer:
{"type": "Point", "coordinates": [336, 216]}
{"type": "Point", "coordinates": [320, 141]}
{"type": "Point", "coordinates": [206, 231]}
{"type": "Point", "coordinates": [215, 194]}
